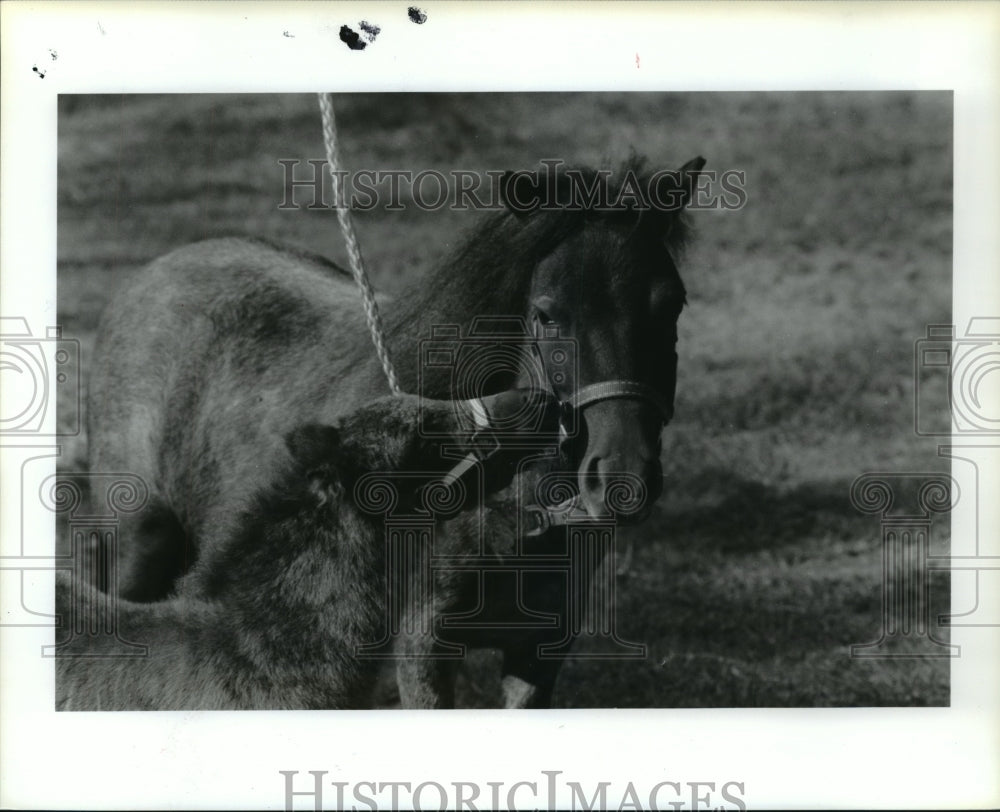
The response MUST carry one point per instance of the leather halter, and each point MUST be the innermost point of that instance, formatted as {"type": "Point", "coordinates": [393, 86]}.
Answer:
{"type": "Point", "coordinates": [538, 519]}
{"type": "Point", "coordinates": [614, 389]}
{"type": "Point", "coordinates": [622, 390]}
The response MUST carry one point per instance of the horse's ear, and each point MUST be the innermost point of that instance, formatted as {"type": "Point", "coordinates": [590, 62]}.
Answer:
{"type": "Point", "coordinates": [313, 444]}
{"type": "Point", "coordinates": [674, 190]}
{"type": "Point", "coordinates": [520, 192]}
{"type": "Point", "coordinates": [316, 449]}
{"type": "Point", "coordinates": [689, 179]}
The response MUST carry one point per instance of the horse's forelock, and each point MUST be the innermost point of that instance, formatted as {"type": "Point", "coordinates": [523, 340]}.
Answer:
{"type": "Point", "coordinates": [491, 270]}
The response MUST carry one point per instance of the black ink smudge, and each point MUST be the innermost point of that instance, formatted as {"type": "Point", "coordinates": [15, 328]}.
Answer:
{"type": "Point", "coordinates": [41, 73]}
{"type": "Point", "coordinates": [351, 38]}
{"type": "Point", "coordinates": [416, 15]}
{"type": "Point", "coordinates": [371, 30]}
{"type": "Point", "coordinates": [286, 34]}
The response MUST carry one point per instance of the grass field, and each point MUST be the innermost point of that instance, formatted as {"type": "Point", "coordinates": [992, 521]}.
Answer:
{"type": "Point", "coordinates": [754, 575]}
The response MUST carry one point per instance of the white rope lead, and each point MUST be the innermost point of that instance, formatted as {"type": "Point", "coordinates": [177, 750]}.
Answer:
{"type": "Point", "coordinates": [353, 247]}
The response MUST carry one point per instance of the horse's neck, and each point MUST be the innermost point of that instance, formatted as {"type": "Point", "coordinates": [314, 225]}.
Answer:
{"type": "Point", "coordinates": [408, 325]}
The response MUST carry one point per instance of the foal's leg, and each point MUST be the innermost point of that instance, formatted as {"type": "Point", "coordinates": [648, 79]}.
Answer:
{"type": "Point", "coordinates": [425, 673]}
{"type": "Point", "coordinates": [529, 672]}
{"type": "Point", "coordinates": [425, 677]}
{"type": "Point", "coordinates": [427, 667]}
{"type": "Point", "coordinates": [424, 682]}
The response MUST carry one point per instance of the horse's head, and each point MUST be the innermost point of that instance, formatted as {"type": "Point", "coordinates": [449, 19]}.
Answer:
{"type": "Point", "coordinates": [610, 284]}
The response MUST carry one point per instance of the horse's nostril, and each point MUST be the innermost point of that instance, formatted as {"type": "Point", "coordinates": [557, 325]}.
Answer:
{"type": "Point", "coordinates": [626, 489]}
{"type": "Point", "coordinates": [592, 483]}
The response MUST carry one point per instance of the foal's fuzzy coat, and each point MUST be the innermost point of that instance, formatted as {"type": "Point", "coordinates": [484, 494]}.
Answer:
{"type": "Point", "coordinates": [282, 605]}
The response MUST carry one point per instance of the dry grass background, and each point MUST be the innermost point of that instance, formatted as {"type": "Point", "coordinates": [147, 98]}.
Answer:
{"type": "Point", "coordinates": [754, 575]}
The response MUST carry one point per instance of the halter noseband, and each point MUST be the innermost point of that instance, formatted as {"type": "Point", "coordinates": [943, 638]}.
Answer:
{"type": "Point", "coordinates": [604, 390]}
{"type": "Point", "coordinates": [620, 390]}
{"type": "Point", "coordinates": [537, 519]}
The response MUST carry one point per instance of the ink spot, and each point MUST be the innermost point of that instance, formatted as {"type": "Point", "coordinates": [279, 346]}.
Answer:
{"type": "Point", "coordinates": [370, 29]}
{"type": "Point", "coordinates": [351, 38]}
{"type": "Point", "coordinates": [53, 54]}
{"type": "Point", "coordinates": [41, 73]}
{"type": "Point", "coordinates": [286, 34]}
{"type": "Point", "coordinates": [416, 15]}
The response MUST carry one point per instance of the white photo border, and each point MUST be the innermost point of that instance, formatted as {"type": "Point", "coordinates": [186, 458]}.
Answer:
{"type": "Point", "coordinates": [841, 758]}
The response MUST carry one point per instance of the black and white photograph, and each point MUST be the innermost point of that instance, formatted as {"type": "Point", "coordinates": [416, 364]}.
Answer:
{"type": "Point", "coordinates": [562, 284]}
{"type": "Point", "coordinates": [653, 412]}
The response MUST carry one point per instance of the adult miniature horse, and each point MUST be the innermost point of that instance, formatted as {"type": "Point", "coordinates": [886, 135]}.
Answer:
{"type": "Point", "coordinates": [209, 357]}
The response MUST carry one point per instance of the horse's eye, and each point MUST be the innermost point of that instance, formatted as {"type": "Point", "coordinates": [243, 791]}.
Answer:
{"type": "Point", "coordinates": [544, 308]}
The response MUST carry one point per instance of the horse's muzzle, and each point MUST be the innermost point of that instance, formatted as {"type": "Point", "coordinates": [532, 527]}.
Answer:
{"type": "Point", "coordinates": [610, 488]}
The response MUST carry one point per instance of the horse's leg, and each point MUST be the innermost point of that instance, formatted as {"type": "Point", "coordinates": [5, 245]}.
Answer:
{"type": "Point", "coordinates": [425, 675]}
{"type": "Point", "coordinates": [529, 673]}
{"type": "Point", "coordinates": [528, 681]}
{"type": "Point", "coordinates": [151, 547]}
{"type": "Point", "coordinates": [110, 671]}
